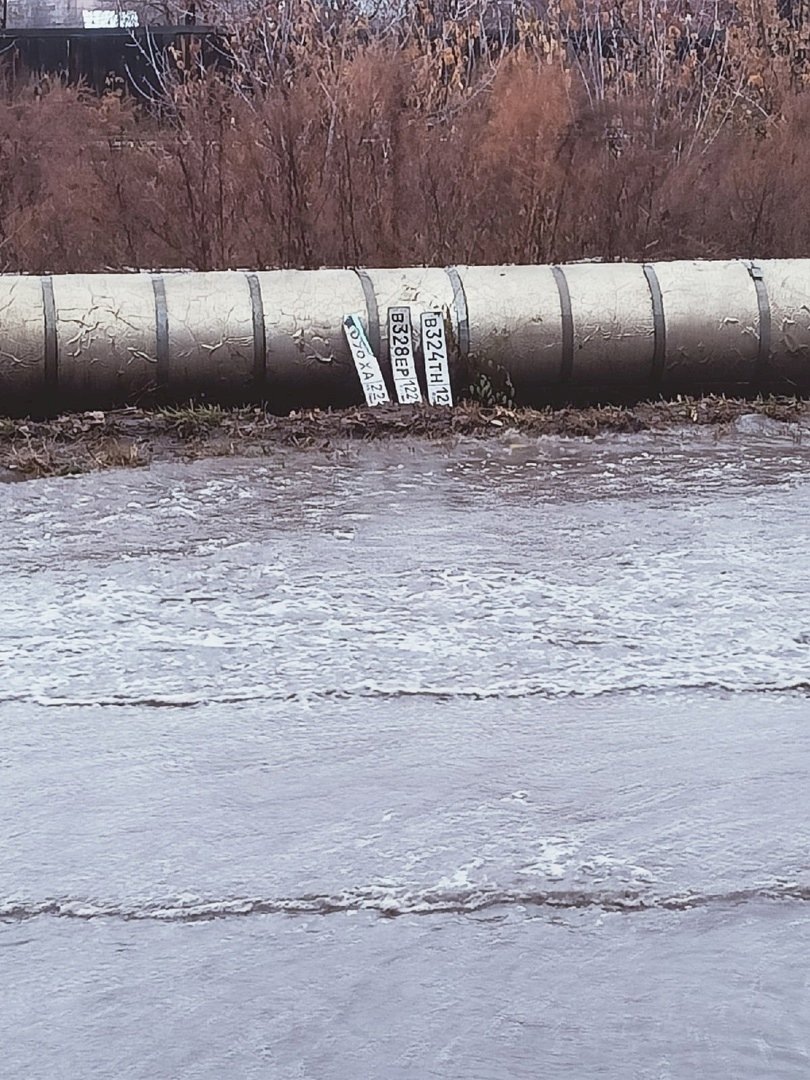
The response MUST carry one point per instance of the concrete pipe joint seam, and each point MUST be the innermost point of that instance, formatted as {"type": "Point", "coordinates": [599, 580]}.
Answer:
{"type": "Point", "coordinates": [291, 338]}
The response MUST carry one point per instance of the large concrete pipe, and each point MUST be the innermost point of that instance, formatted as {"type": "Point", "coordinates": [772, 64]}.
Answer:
{"type": "Point", "coordinates": [584, 331]}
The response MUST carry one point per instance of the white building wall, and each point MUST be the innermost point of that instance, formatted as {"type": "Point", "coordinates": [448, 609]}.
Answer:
{"type": "Point", "coordinates": [25, 14]}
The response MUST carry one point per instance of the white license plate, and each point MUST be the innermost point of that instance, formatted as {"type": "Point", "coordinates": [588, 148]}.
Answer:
{"type": "Point", "coordinates": [365, 362]}
{"type": "Point", "coordinates": [403, 361]}
{"type": "Point", "coordinates": [437, 367]}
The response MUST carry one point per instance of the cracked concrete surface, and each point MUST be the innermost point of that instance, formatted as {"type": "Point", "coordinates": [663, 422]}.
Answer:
{"type": "Point", "coordinates": [588, 329]}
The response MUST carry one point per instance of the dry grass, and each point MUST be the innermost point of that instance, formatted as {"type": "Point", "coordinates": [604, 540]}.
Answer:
{"type": "Point", "coordinates": [131, 437]}
{"type": "Point", "coordinates": [516, 133]}
{"type": "Point", "coordinates": [76, 443]}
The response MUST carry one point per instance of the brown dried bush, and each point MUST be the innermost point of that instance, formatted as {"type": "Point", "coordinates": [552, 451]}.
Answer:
{"type": "Point", "coordinates": [509, 134]}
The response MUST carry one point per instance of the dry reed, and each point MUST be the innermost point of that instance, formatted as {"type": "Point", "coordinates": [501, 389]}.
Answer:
{"type": "Point", "coordinates": [506, 133]}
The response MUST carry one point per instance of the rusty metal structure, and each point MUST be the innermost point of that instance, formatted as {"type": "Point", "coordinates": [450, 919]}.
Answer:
{"type": "Point", "coordinates": [588, 331]}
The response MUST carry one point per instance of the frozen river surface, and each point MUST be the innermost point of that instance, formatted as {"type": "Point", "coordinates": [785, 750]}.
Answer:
{"type": "Point", "coordinates": [410, 762]}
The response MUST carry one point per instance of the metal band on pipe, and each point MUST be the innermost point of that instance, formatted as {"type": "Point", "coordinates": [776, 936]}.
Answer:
{"type": "Point", "coordinates": [374, 336]}
{"type": "Point", "coordinates": [462, 311]}
{"type": "Point", "coordinates": [659, 324]}
{"type": "Point", "coordinates": [259, 333]}
{"type": "Point", "coordinates": [764, 307]}
{"type": "Point", "coordinates": [51, 368]}
{"type": "Point", "coordinates": [567, 362]}
{"type": "Point", "coordinates": [161, 333]}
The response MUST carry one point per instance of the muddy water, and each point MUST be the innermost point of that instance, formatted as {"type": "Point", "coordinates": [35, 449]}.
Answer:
{"type": "Point", "coordinates": [483, 761]}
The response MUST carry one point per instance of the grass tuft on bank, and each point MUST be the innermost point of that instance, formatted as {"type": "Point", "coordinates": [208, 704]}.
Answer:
{"type": "Point", "coordinates": [131, 438]}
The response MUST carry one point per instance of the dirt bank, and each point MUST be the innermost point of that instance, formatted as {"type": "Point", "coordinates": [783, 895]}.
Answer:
{"type": "Point", "coordinates": [82, 442]}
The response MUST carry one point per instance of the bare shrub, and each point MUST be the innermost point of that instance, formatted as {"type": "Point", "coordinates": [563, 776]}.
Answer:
{"type": "Point", "coordinates": [426, 134]}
